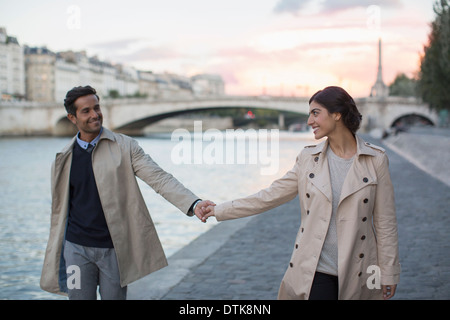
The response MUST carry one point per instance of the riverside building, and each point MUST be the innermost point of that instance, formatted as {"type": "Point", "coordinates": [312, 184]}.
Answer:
{"type": "Point", "coordinates": [12, 75]}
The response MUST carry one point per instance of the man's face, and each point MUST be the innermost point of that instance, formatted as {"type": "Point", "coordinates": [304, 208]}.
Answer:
{"type": "Point", "coordinates": [88, 118]}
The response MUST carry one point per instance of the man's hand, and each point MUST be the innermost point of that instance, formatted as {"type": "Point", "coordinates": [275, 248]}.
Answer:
{"type": "Point", "coordinates": [202, 208]}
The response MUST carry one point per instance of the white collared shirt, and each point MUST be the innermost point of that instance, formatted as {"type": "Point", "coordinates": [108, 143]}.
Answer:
{"type": "Point", "coordinates": [85, 144]}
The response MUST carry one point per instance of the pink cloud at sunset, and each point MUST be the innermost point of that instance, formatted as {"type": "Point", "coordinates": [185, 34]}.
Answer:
{"type": "Point", "coordinates": [327, 48]}
{"type": "Point", "coordinates": [275, 47]}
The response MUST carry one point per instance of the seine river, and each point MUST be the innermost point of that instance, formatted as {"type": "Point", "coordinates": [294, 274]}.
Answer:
{"type": "Point", "coordinates": [25, 195]}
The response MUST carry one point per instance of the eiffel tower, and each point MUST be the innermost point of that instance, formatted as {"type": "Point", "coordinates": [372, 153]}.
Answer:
{"type": "Point", "coordinates": [379, 89]}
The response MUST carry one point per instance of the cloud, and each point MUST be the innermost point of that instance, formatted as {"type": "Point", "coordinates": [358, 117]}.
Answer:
{"type": "Point", "coordinates": [334, 5]}
{"type": "Point", "coordinates": [328, 6]}
{"type": "Point", "coordinates": [114, 45]}
{"type": "Point", "coordinates": [134, 50]}
{"type": "Point", "coordinates": [152, 53]}
{"type": "Point", "coordinates": [292, 6]}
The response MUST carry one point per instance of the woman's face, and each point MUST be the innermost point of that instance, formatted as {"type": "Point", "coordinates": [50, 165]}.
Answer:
{"type": "Point", "coordinates": [322, 122]}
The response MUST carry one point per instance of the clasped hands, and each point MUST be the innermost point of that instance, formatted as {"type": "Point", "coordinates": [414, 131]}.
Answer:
{"type": "Point", "coordinates": [204, 210]}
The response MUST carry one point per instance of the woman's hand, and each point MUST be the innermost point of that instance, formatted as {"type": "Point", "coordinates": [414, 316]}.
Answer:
{"type": "Point", "coordinates": [388, 291]}
{"type": "Point", "coordinates": [203, 208]}
{"type": "Point", "coordinates": [207, 212]}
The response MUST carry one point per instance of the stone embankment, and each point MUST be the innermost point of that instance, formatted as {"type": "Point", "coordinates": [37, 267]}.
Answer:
{"type": "Point", "coordinates": [426, 148]}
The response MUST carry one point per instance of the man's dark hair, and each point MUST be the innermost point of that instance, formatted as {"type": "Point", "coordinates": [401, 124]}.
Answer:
{"type": "Point", "coordinates": [74, 94]}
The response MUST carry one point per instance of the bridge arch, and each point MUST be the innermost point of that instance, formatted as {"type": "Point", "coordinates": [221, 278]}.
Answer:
{"type": "Point", "coordinates": [137, 114]}
{"type": "Point", "coordinates": [64, 127]}
{"type": "Point", "coordinates": [142, 123]}
{"type": "Point", "coordinates": [412, 119]}
{"type": "Point", "coordinates": [396, 109]}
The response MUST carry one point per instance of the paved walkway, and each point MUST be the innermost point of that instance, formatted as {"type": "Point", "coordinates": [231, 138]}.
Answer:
{"type": "Point", "coordinates": [247, 258]}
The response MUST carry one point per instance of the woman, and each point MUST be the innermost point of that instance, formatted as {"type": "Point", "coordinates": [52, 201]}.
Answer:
{"type": "Point", "coordinates": [346, 197]}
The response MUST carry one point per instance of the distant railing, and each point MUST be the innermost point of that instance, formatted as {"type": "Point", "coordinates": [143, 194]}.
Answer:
{"type": "Point", "coordinates": [190, 98]}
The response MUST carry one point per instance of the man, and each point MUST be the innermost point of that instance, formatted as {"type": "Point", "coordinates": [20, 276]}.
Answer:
{"type": "Point", "coordinates": [101, 232]}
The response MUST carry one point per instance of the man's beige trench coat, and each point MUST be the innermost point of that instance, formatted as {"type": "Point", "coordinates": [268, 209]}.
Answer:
{"type": "Point", "coordinates": [116, 160]}
{"type": "Point", "coordinates": [366, 221]}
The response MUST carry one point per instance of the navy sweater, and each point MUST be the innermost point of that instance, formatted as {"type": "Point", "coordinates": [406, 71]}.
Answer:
{"type": "Point", "coordinates": [87, 225]}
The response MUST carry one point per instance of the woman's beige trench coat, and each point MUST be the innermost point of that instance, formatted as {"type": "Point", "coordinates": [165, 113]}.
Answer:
{"type": "Point", "coordinates": [366, 221]}
{"type": "Point", "coordinates": [116, 160]}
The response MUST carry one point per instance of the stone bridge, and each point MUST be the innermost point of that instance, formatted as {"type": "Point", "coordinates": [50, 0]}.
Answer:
{"type": "Point", "coordinates": [132, 115]}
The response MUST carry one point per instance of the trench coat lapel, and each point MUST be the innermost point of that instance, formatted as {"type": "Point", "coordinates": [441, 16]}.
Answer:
{"type": "Point", "coordinates": [319, 175]}
{"type": "Point", "coordinates": [66, 154]}
{"type": "Point", "coordinates": [360, 174]}
{"type": "Point", "coordinates": [62, 159]}
{"type": "Point", "coordinates": [357, 178]}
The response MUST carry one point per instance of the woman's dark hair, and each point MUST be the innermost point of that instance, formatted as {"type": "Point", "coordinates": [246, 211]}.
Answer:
{"type": "Point", "coordinates": [336, 99]}
{"type": "Point", "coordinates": [74, 94]}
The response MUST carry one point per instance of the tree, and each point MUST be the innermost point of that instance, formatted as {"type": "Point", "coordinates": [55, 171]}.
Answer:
{"type": "Point", "coordinates": [114, 94]}
{"type": "Point", "coordinates": [434, 74]}
{"type": "Point", "coordinates": [403, 86]}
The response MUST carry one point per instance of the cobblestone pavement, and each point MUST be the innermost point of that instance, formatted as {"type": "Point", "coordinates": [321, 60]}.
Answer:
{"type": "Point", "coordinates": [251, 261]}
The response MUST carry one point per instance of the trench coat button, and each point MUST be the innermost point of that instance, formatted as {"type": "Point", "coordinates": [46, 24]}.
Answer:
{"type": "Point", "coordinates": [311, 175]}
{"type": "Point", "coordinates": [316, 159]}
{"type": "Point", "coordinates": [364, 219]}
{"type": "Point", "coordinates": [296, 246]}
{"type": "Point", "coordinates": [291, 264]}
{"type": "Point", "coordinates": [307, 195]}
{"type": "Point", "coordinates": [365, 179]}
{"type": "Point", "coordinates": [360, 274]}
{"type": "Point", "coordinates": [303, 229]}
{"type": "Point", "coordinates": [366, 200]}
{"type": "Point", "coordinates": [363, 237]}
{"type": "Point", "coordinates": [361, 255]}
{"type": "Point", "coordinates": [307, 212]}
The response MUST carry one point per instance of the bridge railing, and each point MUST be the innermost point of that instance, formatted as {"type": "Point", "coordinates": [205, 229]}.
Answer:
{"type": "Point", "coordinates": [201, 98]}
{"type": "Point", "coordinates": [109, 101]}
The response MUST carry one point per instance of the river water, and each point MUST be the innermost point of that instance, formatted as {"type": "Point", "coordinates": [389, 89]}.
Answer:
{"type": "Point", "coordinates": [25, 198]}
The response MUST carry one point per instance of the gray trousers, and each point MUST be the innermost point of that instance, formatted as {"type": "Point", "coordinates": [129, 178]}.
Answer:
{"type": "Point", "coordinates": [89, 267]}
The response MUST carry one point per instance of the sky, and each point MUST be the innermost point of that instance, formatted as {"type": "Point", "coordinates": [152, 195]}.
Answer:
{"type": "Point", "coordinates": [274, 47]}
